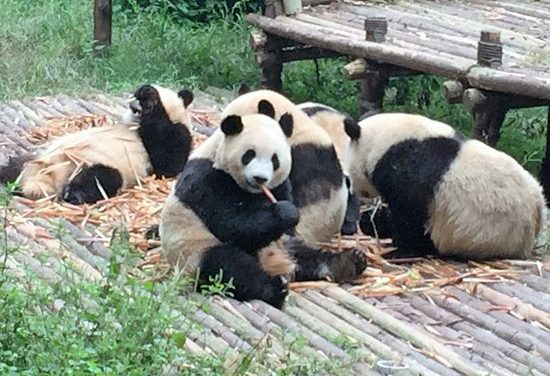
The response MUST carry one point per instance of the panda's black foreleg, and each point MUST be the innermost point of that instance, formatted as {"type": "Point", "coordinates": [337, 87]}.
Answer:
{"type": "Point", "coordinates": [409, 235]}
{"type": "Point", "coordinates": [85, 187]}
{"type": "Point", "coordinates": [317, 264]}
{"type": "Point", "coordinates": [244, 271]}
{"type": "Point", "coordinates": [377, 218]}
{"type": "Point", "coordinates": [349, 227]}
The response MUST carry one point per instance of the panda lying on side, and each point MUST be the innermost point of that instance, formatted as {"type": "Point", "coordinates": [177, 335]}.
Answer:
{"type": "Point", "coordinates": [217, 218]}
{"type": "Point", "coordinates": [446, 194]}
{"type": "Point", "coordinates": [86, 166]}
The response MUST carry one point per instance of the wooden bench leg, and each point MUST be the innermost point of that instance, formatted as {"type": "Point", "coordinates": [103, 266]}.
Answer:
{"type": "Point", "coordinates": [488, 113]}
{"type": "Point", "coordinates": [268, 56]}
{"type": "Point", "coordinates": [372, 92]}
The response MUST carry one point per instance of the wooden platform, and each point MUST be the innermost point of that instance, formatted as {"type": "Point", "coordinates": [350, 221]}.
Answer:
{"type": "Point", "coordinates": [464, 320]}
{"type": "Point", "coordinates": [437, 37]}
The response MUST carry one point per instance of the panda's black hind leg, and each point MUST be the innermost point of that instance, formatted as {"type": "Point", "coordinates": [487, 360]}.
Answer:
{"type": "Point", "coordinates": [409, 235]}
{"type": "Point", "coordinates": [243, 269]}
{"type": "Point", "coordinates": [84, 187]}
{"type": "Point", "coordinates": [318, 264]}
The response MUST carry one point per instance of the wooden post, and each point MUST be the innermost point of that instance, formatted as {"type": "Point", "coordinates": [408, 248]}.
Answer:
{"type": "Point", "coordinates": [488, 110]}
{"type": "Point", "coordinates": [102, 27]}
{"type": "Point", "coordinates": [453, 91]}
{"type": "Point", "coordinates": [544, 174]}
{"type": "Point", "coordinates": [267, 50]}
{"type": "Point", "coordinates": [489, 49]}
{"type": "Point", "coordinates": [273, 8]}
{"type": "Point", "coordinates": [371, 97]}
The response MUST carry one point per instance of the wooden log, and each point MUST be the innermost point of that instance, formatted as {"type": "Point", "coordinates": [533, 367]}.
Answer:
{"type": "Point", "coordinates": [257, 40]}
{"type": "Point", "coordinates": [102, 27]}
{"type": "Point", "coordinates": [343, 327]}
{"type": "Point", "coordinates": [359, 69]}
{"type": "Point", "coordinates": [283, 320]}
{"type": "Point", "coordinates": [258, 338]}
{"type": "Point", "coordinates": [501, 329]}
{"type": "Point", "coordinates": [487, 358]}
{"type": "Point", "coordinates": [381, 52]}
{"type": "Point", "coordinates": [525, 84]}
{"type": "Point", "coordinates": [306, 53]}
{"type": "Point", "coordinates": [485, 337]}
{"type": "Point", "coordinates": [375, 332]}
{"type": "Point", "coordinates": [525, 310]}
{"type": "Point", "coordinates": [406, 332]}
{"type": "Point", "coordinates": [526, 294]}
{"type": "Point", "coordinates": [452, 91]}
{"type": "Point", "coordinates": [223, 331]}
{"type": "Point", "coordinates": [204, 337]}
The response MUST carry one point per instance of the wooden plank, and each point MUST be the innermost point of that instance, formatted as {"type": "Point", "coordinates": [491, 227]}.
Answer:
{"type": "Point", "coordinates": [416, 359]}
{"type": "Point", "coordinates": [483, 336]}
{"type": "Point", "coordinates": [406, 332]}
{"type": "Point", "coordinates": [440, 65]}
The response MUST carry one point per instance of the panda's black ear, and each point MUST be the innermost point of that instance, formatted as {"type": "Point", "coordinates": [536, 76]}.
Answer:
{"type": "Point", "coordinates": [265, 107]}
{"type": "Point", "coordinates": [353, 129]}
{"type": "Point", "coordinates": [232, 125]}
{"type": "Point", "coordinates": [243, 89]}
{"type": "Point", "coordinates": [287, 124]}
{"type": "Point", "coordinates": [187, 97]}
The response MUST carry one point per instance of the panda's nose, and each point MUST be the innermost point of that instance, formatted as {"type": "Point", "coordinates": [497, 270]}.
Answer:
{"type": "Point", "coordinates": [260, 180]}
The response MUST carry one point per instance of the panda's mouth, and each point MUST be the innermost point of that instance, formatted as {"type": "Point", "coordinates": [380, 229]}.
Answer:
{"type": "Point", "coordinates": [135, 106]}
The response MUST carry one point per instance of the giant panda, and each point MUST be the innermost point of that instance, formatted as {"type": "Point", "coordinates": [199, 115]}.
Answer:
{"type": "Point", "coordinates": [446, 194]}
{"type": "Point", "coordinates": [94, 163]}
{"type": "Point", "coordinates": [333, 122]}
{"type": "Point", "coordinates": [217, 218]}
{"type": "Point", "coordinates": [319, 186]}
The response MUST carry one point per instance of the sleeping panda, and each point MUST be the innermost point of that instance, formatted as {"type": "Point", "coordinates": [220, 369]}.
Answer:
{"type": "Point", "coordinates": [319, 186]}
{"type": "Point", "coordinates": [333, 122]}
{"type": "Point", "coordinates": [446, 195]}
{"type": "Point", "coordinates": [217, 218]}
{"type": "Point", "coordinates": [93, 164]}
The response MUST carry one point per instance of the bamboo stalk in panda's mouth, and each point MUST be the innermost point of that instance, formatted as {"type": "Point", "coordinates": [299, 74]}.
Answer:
{"type": "Point", "coordinates": [268, 193]}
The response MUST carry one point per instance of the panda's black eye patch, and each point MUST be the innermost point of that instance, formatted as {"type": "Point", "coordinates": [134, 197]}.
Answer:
{"type": "Point", "coordinates": [248, 156]}
{"type": "Point", "coordinates": [275, 161]}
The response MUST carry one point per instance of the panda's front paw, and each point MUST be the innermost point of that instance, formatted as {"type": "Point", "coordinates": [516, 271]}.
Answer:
{"type": "Point", "coordinates": [276, 291]}
{"type": "Point", "coordinates": [346, 266]}
{"type": "Point", "coordinates": [288, 214]}
{"type": "Point", "coordinates": [72, 196]}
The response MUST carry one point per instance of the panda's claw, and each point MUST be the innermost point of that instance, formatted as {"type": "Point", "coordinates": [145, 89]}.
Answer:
{"type": "Point", "coordinates": [279, 291]}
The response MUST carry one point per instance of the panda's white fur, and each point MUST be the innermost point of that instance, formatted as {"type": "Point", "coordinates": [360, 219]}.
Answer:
{"type": "Point", "coordinates": [115, 146]}
{"type": "Point", "coordinates": [323, 217]}
{"type": "Point", "coordinates": [120, 147]}
{"type": "Point", "coordinates": [484, 205]}
{"type": "Point", "coordinates": [332, 121]}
